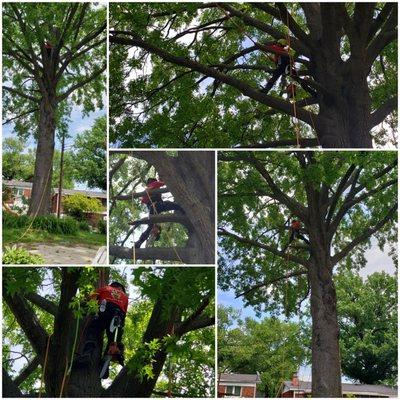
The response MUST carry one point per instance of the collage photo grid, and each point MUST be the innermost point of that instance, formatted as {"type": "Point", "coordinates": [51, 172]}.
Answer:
{"type": "Point", "coordinates": [199, 199]}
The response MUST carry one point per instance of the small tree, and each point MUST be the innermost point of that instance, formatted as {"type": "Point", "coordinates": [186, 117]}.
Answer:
{"type": "Point", "coordinates": [77, 205]}
{"type": "Point", "coordinates": [367, 313]}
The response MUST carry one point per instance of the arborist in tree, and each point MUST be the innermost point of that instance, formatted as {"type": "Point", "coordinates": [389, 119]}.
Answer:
{"type": "Point", "coordinates": [295, 232]}
{"type": "Point", "coordinates": [156, 205]}
{"type": "Point", "coordinates": [282, 54]}
{"type": "Point", "coordinates": [113, 305]}
{"type": "Point", "coordinates": [49, 48]}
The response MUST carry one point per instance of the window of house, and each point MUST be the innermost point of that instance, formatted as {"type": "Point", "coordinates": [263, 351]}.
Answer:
{"type": "Point", "coordinates": [18, 192]}
{"type": "Point", "coordinates": [233, 390]}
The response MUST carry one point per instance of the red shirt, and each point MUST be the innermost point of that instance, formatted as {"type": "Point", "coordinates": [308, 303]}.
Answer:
{"type": "Point", "coordinates": [113, 295]}
{"type": "Point", "coordinates": [277, 49]}
{"type": "Point", "coordinates": [48, 45]}
{"type": "Point", "coordinates": [151, 185]}
{"type": "Point", "coordinates": [296, 225]}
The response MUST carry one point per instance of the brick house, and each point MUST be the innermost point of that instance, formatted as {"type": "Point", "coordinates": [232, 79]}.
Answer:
{"type": "Point", "coordinates": [238, 385]}
{"type": "Point", "coordinates": [20, 190]}
{"type": "Point", "coordinates": [298, 388]}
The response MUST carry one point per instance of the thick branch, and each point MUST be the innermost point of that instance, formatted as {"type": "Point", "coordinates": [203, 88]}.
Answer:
{"type": "Point", "coordinates": [81, 83]}
{"type": "Point", "coordinates": [141, 194]}
{"type": "Point", "coordinates": [27, 371]}
{"type": "Point", "coordinates": [244, 88]}
{"type": "Point", "coordinates": [10, 389]}
{"type": "Point", "coordinates": [383, 111]}
{"type": "Point", "coordinates": [28, 321]}
{"type": "Point", "coordinates": [21, 94]}
{"type": "Point", "coordinates": [273, 250]}
{"type": "Point", "coordinates": [42, 303]}
{"type": "Point", "coordinates": [272, 281]}
{"type": "Point", "coordinates": [162, 218]}
{"type": "Point", "coordinates": [367, 233]}
{"type": "Point", "coordinates": [152, 253]}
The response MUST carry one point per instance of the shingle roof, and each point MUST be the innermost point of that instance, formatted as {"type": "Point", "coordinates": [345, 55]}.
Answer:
{"type": "Point", "coordinates": [348, 388]}
{"type": "Point", "coordinates": [88, 193]}
{"type": "Point", "coordinates": [239, 378]}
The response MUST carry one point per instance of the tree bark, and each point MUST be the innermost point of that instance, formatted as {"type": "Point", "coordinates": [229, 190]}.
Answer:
{"type": "Point", "coordinates": [40, 202]}
{"type": "Point", "coordinates": [325, 354]}
{"type": "Point", "coordinates": [190, 177]}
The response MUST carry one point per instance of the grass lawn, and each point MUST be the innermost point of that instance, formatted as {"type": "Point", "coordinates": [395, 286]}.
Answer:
{"type": "Point", "coordinates": [82, 238]}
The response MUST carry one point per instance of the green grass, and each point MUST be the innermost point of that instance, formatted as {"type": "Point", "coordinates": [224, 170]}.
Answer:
{"type": "Point", "coordinates": [82, 238]}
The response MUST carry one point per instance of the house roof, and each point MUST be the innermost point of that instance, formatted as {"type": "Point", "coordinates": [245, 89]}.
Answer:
{"type": "Point", "coordinates": [354, 388]}
{"type": "Point", "coordinates": [69, 192]}
{"type": "Point", "coordinates": [239, 378]}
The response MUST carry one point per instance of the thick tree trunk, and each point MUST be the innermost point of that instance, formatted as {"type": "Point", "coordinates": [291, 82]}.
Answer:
{"type": "Point", "coordinates": [190, 177]}
{"type": "Point", "coordinates": [326, 374]}
{"type": "Point", "coordinates": [343, 120]}
{"type": "Point", "coordinates": [40, 202]}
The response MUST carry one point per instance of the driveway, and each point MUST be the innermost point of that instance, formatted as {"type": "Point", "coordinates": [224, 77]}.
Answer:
{"type": "Point", "coordinates": [62, 255]}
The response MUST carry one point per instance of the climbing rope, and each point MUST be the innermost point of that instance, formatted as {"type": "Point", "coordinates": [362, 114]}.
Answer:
{"type": "Point", "coordinates": [291, 66]}
{"type": "Point", "coordinates": [68, 368]}
{"type": "Point", "coordinates": [44, 365]}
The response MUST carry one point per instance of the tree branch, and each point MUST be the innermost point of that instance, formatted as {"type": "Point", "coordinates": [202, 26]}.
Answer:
{"type": "Point", "coordinates": [162, 218]}
{"type": "Point", "coordinates": [247, 90]}
{"type": "Point", "coordinates": [141, 194]}
{"type": "Point", "coordinates": [42, 303]}
{"type": "Point", "coordinates": [10, 389]}
{"type": "Point", "coordinates": [383, 111]}
{"type": "Point", "coordinates": [151, 253]}
{"type": "Point", "coordinates": [28, 322]}
{"type": "Point", "coordinates": [367, 233]}
{"type": "Point", "coordinates": [249, 242]}
{"type": "Point", "coordinates": [27, 371]}
{"type": "Point", "coordinates": [272, 281]}
{"type": "Point", "coordinates": [21, 94]}
{"type": "Point", "coordinates": [80, 84]}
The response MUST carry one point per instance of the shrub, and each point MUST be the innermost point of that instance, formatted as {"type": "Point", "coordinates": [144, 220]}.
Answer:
{"type": "Point", "coordinates": [49, 223]}
{"type": "Point", "coordinates": [83, 226]}
{"type": "Point", "coordinates": [16, 256]}
{"type": "Point", "coordinates": [102, 227]}
{"type": "Point", "coordinates": [77, 204]}
{"type": "Point", "coordinates": [52, 224]}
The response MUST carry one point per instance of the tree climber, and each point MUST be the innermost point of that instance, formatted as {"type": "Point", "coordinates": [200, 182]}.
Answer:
{"type": "Point", "coordinates": [113, 302]}
{"type": "Point", "coordinates": [295, 232]}
{"type": "Point", "coordinates": [155, 205]}
{"type": "Point", "coordinates": [49, 48]}
{"type": "Point", "coordinates": [282, 53]}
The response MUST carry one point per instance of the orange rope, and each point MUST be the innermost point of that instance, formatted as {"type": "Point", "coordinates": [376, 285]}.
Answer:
{"type": "Point", "coordinates": [44, 365]}
{"type": "Point", "coordinates": [65, 376]}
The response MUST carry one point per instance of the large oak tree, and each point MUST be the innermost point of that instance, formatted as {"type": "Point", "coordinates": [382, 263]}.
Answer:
{"type": "Point", "coordinates": [210, 93]}
{"type": "Point", "coordinates": [342, 200]}
{"type": "Point", "coordinates": [169, 321]}
{"type": "Point", "coordinates": [41, 86]}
